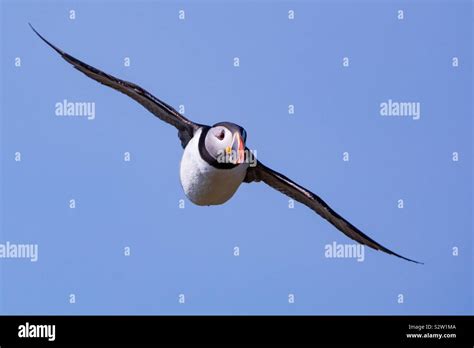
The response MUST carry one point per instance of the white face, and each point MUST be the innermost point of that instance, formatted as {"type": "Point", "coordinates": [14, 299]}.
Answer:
{"type": "Point", "coordinates": [224, 146]}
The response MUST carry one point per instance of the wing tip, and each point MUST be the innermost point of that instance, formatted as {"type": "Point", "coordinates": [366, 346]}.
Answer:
{"type": "Point", "coordinates": [414, 261]}
{"type": "Point", "coordinates": [46, 41]}
{"type": "Point", "coordinates": [403, 257]}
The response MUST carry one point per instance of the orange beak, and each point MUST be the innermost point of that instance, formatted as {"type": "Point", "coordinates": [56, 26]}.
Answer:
{"type": "Point", "coordinates": [238, 148]}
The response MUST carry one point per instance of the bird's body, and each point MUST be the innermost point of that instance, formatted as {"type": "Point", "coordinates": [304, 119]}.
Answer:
{"type": "Point", "coordinates": [214, 162]}
{"type": "Point", "coordinates": [203, 183]}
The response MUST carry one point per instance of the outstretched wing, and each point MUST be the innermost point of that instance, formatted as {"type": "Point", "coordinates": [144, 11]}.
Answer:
{"type": "Point", "coordinates": [281, 183]}
{"type": "Point", "coordinates": [160, 109]}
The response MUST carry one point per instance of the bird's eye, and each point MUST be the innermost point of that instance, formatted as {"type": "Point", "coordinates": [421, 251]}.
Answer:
{"type": "Point", "coordinates": [221, 135]}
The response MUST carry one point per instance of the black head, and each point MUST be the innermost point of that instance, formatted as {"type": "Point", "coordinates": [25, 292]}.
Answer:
{"type": "Point", "coordinates": [233, 128]}
{"type": "Point", "coordinates": [223, 145]}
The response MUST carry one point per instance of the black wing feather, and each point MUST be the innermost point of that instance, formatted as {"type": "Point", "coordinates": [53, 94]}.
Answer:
{"type": "Point", "coordinates": [290, 188]}
{"type": "Point", "coordinates": [160, 109]}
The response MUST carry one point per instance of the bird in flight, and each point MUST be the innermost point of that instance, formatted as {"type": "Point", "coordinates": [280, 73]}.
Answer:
{"type": "Point", "coordinates": [216, 160]}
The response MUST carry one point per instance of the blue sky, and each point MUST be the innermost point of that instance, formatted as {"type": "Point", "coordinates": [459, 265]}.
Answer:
{"type": "Point", "coordinates": [190, 251]}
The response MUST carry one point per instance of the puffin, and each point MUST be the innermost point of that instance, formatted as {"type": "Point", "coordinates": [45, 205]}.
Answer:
{"type": "Point", "coordinates": [216, 160]}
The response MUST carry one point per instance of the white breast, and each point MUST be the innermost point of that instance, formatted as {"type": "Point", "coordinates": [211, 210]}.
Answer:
{"type": "Point", "coordinates": [202, 183]}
